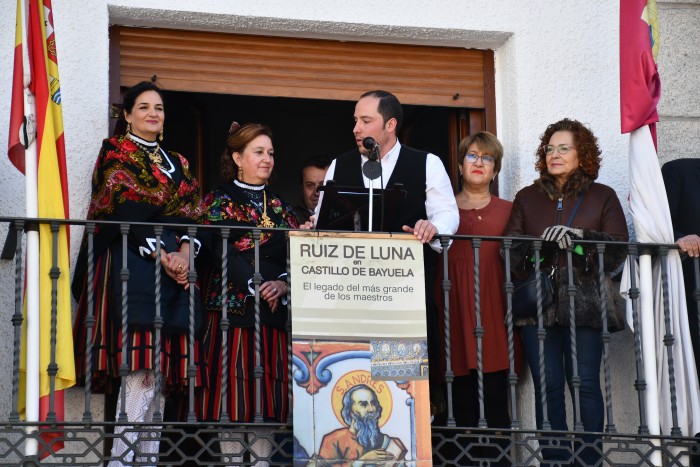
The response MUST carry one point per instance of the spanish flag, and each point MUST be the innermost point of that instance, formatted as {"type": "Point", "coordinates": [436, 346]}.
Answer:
{"type": "Point", "coordinates": [45, 123]}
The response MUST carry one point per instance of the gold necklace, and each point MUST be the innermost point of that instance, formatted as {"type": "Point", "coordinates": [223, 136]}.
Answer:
{"type": "Point", "coordinates": [266, 221]}
{"type": "Point", "coordinates": [156, 158]}
{"type": "Point", "coordinates": [480, 205]}
{"type": "Point", "coordinates": [153, 152]}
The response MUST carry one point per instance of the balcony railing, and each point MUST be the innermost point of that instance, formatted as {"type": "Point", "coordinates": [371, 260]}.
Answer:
{"type": "Point", "coordinates": [87, 432]}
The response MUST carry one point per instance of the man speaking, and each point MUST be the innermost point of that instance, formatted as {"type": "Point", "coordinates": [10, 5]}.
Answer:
{"type": "Point", "coordinates": [429, 207]}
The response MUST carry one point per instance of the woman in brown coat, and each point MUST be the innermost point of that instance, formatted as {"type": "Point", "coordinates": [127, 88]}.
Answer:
{"type": "Point", "coordinates": [568, 160]}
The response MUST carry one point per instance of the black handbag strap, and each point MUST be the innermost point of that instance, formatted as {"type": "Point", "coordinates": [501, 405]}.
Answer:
{"type": "Point", "coordinates": [555, 262]}
{"type": "Point", "coordinates": [573, 213]}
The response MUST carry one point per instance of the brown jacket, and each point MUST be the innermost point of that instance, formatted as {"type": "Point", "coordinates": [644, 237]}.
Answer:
{"type": "Point", "coordinates": [600, 216]}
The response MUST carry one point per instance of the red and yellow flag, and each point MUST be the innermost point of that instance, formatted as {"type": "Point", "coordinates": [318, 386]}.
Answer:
{"type": "Point", "coordinates": [52, 194]}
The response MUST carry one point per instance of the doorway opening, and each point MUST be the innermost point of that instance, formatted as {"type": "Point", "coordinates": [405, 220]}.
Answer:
{"type": "Point", "coordinates": [197, 126]}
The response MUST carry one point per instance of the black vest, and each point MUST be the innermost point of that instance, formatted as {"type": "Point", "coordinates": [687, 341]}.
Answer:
{"type": "Point", "coordinates": [409, 171]}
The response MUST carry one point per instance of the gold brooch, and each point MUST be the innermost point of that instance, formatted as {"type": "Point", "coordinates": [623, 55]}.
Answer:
{"type": "Point", "coordinates": [266, 222]}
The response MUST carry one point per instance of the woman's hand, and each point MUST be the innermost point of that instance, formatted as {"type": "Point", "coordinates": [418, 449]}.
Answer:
{"type": "Point", "coordinates": [562, 235]}
{"type": "Point", "coordinates": [176, 265]}
{"type": "Point", "coordinates": [272, 292]}
{"type": "Point", "coordinates": [308, 225]}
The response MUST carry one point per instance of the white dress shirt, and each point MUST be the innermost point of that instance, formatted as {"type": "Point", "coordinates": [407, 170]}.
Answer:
{"type": "Point", "coordinates": [440, 204]}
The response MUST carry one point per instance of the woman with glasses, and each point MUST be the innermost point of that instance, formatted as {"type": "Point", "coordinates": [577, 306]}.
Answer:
{"type": "Point", "coordinates": [480, 213]}
{"type": "Point", "coordinates": [562, 206]}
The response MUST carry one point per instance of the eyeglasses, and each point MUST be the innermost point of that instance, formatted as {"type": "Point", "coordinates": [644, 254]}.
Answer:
{"type": "Point", "coordinates": [485, 159]}
{"type": "Point", "coordinates": [562, 148]}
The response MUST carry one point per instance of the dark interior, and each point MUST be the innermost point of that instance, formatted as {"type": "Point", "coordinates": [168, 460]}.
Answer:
{"type": "Point", "coordinates": [197, 124]}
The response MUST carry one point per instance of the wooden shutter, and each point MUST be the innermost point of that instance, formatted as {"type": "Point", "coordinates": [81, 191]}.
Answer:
{"type": "Point", "coordinates": [303, 68]}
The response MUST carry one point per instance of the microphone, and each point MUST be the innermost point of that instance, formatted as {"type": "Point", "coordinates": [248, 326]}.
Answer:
{"type": "Point", "coordinates": [369, 143]}
{"type": "Point", "coordinates": [372, 146]}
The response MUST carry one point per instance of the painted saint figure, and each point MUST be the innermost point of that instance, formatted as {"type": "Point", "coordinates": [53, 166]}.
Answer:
{"type": "Point", "coordinates": [361, 442]}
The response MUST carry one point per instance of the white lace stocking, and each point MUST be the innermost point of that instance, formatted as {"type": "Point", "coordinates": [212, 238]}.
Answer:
{"type": "Point", "coordinates": [140, 407]}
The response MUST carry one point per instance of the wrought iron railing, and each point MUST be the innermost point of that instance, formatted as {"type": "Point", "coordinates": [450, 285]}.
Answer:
{"type": "Point", "coordinates": [86, 435]}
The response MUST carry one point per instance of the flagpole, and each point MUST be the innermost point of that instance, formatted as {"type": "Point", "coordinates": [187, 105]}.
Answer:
{"type": "Point", "coordinates": [32, 210]}
{"type": "Point", "coordinates": [648, 327]}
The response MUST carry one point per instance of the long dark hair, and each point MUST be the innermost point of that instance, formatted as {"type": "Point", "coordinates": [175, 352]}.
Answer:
{"type": "Point", "coordinates": [135, 91]}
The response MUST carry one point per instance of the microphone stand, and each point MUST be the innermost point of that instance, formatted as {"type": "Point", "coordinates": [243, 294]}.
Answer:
{"type": "Point", "coordinates": [372, 169]}
{"type": "Point", "coordinates": [371, 205]}
{"type": "Point", "coordinates": [381, 201]}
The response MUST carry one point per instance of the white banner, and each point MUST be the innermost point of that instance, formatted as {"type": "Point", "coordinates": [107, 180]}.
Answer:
{"type": "Point", "coordinates": [357, 286]}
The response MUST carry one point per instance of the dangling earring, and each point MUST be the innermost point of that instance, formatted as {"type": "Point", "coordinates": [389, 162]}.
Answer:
{"type": "Point", "coordinates": [128, 127]}
{"type": "Point", "coordinates": [160, 135]}
{"type": "Point", "coordinates": [240, 173]}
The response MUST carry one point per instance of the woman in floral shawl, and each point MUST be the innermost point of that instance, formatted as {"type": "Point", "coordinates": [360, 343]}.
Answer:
{"type": "Point", "coordinates": [135, 180]}
{"type": "Point", "coordinates": [245, 201]}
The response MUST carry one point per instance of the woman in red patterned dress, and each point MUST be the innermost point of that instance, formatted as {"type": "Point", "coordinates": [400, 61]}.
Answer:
{"type": "Point", "coordinates": [244, 202]}
{"type": "Point", "coordinates": [135, 180]}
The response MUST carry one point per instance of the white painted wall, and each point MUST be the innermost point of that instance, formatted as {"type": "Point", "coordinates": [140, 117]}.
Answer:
{"type": "Point", "coordinates": [554, 59]}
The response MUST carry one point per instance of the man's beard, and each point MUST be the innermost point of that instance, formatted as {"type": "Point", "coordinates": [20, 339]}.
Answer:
{"type": "Point", "coordinates": [368, 434]}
